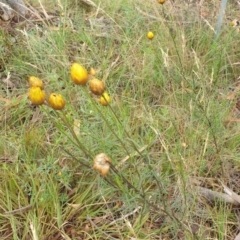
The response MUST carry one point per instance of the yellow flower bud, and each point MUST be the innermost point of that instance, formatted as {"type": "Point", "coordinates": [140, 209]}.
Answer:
{"type": "Point", "coordinates": [78, 74]}
{"type": "Point", "coordinates": [92, 71]}
{"type": "Point", "coordinates": [105, 99]}
{"type": "Point", "coordinates": [97, 86]}
{"type": "Point", "coordinates": [235, 23]}
{"type": "Point", "coordinates": [35, 82]}
{"type": "Point", "coordinates": [36, 95]}
{"type": "Point", "coordinates": [150, 35]}
{"type": "Point", "coordinates": [101, 164]}
{"type": "Point", "coordinates": [56, 101]}
{"type": "Point", "coordinates": [161, 1]}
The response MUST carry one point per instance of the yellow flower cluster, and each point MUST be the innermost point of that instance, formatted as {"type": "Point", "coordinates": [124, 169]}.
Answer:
{"type": "Point", "coordinates": [37, 96]}
{"type": "Point", "coordinates": [80, 76]}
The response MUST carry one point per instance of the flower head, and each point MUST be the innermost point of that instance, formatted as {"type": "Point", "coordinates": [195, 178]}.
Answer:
{"type": "Point", "coordinates": [101, 164]}
{"type": "Point", "coordinates": [105, 99]}
{"type": "Point", "coordinates": [150, 35]}
{"type": "Point", "coordinates": [97, 86]}
{"type": "Point", "coordinates": [235, 23]}
{"type": "Point", "coordinates": [78, 74]}
{"type": "Point", "coordinates": [36, 95]}
{"type": "Point", "coordinates": [161, 1]}
{"type": "Point", "coordinates": [56, 101]}
{"type": "Point", "coordinates": [35, 82]}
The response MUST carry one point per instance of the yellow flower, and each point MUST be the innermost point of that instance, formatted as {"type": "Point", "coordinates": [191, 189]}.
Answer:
{"type": "Point", "coordinates": [56, 101]}
{"type": "Point", "coordinates": [97, 86]}
{"type": "Point", "coordinates": [35, 82]}
{"type": "Point", "coordinates": [36, 95]}
{"type": "Point", "coordinates": [161, 1]}
{"type": "Point", "coordinates": [78, 74]}
{"type": "Point", "coordinates": [150, 35]}
{"type": "Point", "coordinates": [105, 99]}
{"type": "Point", "coordinates": [235, 23]}
{"type": "Point", "coordinates": [101, 164]}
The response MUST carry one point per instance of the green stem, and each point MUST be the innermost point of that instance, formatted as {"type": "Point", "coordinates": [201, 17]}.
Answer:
{"type": "Point", "coordinates": [69, 126]}
{"type": "Point", "coordinates": [106, 121]}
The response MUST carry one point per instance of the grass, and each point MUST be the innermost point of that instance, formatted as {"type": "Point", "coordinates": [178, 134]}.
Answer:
{"type": "Point", "coordinates": [168, 129]}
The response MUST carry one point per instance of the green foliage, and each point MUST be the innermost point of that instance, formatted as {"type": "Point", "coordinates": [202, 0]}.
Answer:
{"type": "Point", "coordinates": [168, 128]}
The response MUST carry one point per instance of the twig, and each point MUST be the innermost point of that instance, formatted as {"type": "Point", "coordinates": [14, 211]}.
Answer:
{"type": "Point", "coordinates": [125, 216]}
{"type": "Point", "coordinates": [95, 226]}
{"type": "Point", "coordinates": [34, 233]}
{"type": "Point", "coordinates": [209, 25]}
{"type": "Point", "coordinates": [216, 196]}
{"type": "Point", "coordinates": [43, 9]}
{"type": "Point", "coordinates": [232, 194]}
{"type": "Point", "coordinates": [131, 155]}
{"type": "Point", "coordinates": [89, 3]}
{"type": "Point", "coordinates": [18, 211]}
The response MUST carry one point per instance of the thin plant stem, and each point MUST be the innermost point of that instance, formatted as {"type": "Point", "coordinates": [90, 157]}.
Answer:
{"type": "Point", "coordinates": [81, 145]}
{"type": "Point", "coordinates": [64, 119]}
{"type": "Point", "coordinates": [183, 75]}
{"type": "Point", "coordinates": [143, 196]}
{"type": "Point", "coordinates": [106, 121]}
{"type": "Point", "coordinates": [75, 158]}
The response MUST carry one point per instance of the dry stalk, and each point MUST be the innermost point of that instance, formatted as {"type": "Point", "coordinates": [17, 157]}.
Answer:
{"type": "Point", "coordinates": [216, 196]}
